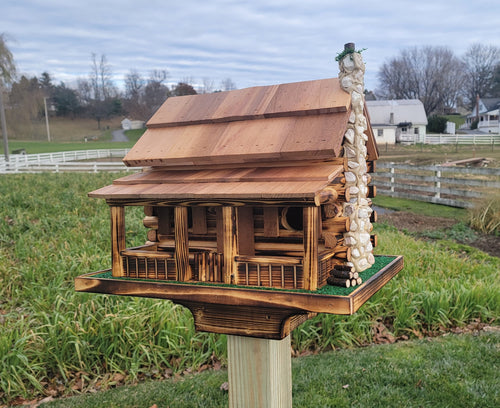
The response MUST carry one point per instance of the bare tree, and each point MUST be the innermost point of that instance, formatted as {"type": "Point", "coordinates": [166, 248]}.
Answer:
{"type": "Point", "coordinates": [208, 85]}
{"type": "Point", "coordinates": [7, 65]}
{"type": "Point", "coordinates": [7, 73]}
{"type": "Point", "coordinates": [104, 102]}
{"type": "Point", "coordinates": [432, 74]}
{"type": "Point", "coordinates": [134, 84]}
{"type": "Point", "coordinates": [100, 78]}
{"type": "Point", "coordinates": [156, 92]}
{"type": "Point", "coordinates": [481, 62]}
{"type": "Point", "coordinates": [84, 91]}
{"type": "Point", "coordinates": [227, 84]}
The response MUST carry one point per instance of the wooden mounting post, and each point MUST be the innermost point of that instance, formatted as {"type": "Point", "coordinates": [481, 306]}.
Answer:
{"type": "Point", "coordinates": [260, 372]}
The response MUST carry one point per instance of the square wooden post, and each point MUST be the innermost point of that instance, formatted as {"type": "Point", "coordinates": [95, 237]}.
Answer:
{"type": "Point", "coordinates": [181, 244]}
{"type": "Point", "coordinates": [260, 372]}
{"type": "Point", "coordinates": [311, 218]}
{"type": "Point", "coordinates": [117, 239]}
{"type": "Point", "coordinates": [229, 244]}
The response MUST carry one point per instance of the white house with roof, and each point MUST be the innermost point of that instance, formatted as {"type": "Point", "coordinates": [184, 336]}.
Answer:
{"type": "Point", "coordinates": [486, 111]}
{"type": "Point", "coordinates": [128, 124]}
{"type": "Point", "coordinates": [397, 120]}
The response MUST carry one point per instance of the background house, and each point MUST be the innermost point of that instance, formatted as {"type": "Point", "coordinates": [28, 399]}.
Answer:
{"type": "Point", "coordinates": [128, 124]}
{"type": "Point", "coordinates": [487, 110]}
{"type": "Point", "coordinates": [397, 120]}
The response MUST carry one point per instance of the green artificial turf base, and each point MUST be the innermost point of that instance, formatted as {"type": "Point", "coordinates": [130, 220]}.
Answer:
{"type": "Point", "coordinates": [381, 262]}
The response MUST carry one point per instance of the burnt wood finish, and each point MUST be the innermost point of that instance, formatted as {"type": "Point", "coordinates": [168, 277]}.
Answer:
{"type": "Point", "coordinates": [117, 238]}
{"type": "Point", "coordinates": [246, 242]}
{"type": "Point", "coordinates": [271, 222]}
{"type": "Point", "coordinates": [184, 272]}
{"type": "Point", "coordinates": [311, 237]}
{"type": "Point", "coordinates": [291, 307]}
{"type": "Point", "coordinates": [199, 220]}
{"type": "Point", "coordinates": [230, 244]}
{"type": "Point", "coordinates": [164, 220]}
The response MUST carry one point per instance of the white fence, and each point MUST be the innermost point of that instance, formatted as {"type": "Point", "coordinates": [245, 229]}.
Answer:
{"type": "Point", "coordinates": [78, 160]}
{"type": "Point", "coordinates": [487, 139]}
{"type": "Point", "coordinates": [453, 186]}
{"type": "Point", "coordinates": [472, 139]}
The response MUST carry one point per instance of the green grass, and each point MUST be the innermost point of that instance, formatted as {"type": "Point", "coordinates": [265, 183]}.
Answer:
{"type": "Point", "coordinates": [134, 134]}
{"type": "Point", "coordinates": [436, 154]}
{"type": "Point", "coordinates": [55, 341]}
{"type": "Point", "coordinates": [33, 147]}
{"type": "Point", "coordinates": [452, 371]}
{"type": "Point", "coordinates": [420, 207]}
{"type": "Point", "coordinates": [456, 119]}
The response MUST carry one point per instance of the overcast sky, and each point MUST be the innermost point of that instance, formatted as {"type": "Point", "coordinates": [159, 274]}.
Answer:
{"type": "Point", "coordinates": [253, 42]}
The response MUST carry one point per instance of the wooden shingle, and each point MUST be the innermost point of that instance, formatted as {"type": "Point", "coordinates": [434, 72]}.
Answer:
{"type": "Point", "coordinates": [298, 121]}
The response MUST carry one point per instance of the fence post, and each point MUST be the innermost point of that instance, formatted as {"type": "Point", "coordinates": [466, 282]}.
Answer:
{"type": "Point", "coordinates": [437, 183]}
{"type": "Point", "coordinates": [392, 177]}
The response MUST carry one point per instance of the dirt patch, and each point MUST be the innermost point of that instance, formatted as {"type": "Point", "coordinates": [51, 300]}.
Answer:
{"type": "Point", "coordinates": [488, 243]}
{"type": "Point", "coordinates": [417, 224]}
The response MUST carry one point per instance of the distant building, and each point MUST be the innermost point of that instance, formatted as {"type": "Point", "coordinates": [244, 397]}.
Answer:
{"type": "Point", "coordinates": [128, 124]}
{"type": "Point", "coordinates": [397, 120]}
{"type": "Point", "coordinates": [486, 111]}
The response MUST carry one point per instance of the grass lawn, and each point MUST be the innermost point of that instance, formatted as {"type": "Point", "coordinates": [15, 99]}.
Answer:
{"type": "Point", "coordinates": [450, 371]}
{"type": "Point", "coordinates": [55, 341]}
{"type": "Point", "coordinates": [34, 147]}
{"type": "Point", "coordinates": [420, 207]}
{"type": "Point", "coordinates": [437, 154]}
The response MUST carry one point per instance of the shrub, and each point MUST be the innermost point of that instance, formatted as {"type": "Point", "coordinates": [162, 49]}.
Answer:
{"type": "Point", "coordinates": [436, 124]}
{"type": "Point", "coordinates": [485, 216]}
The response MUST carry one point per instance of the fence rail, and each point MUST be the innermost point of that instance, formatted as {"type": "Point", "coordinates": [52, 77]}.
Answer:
{"type": "Point", "coordinates": [76, 160]}
{"type": "Point", "coordinates": [453, 186]}
{"type": "Point", "coordinates": [471, 139]}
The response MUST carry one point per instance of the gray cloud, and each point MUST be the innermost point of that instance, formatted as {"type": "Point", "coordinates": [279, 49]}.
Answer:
{"type": "Point", "coordinates": [254, 43]}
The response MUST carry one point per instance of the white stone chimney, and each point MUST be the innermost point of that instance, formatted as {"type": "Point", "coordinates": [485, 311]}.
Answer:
{"type": "Point", "coordinates": [358, 209]}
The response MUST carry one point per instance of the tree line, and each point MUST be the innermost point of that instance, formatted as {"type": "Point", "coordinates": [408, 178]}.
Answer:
{"type": "Point", "coordinates": [94, 96]}
{"type": "Point", "coordinates": [97, 96]}
{"type": "Point", "coordinates": [440, 79]}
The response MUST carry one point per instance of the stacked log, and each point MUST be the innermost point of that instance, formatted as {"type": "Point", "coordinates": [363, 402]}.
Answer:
{"type": "Point", "coordinates": [344, 276]}
{"type": "Point", "coordinates": [357, 207]}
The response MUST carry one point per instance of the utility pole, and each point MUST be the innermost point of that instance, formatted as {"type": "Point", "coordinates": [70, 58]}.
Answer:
{"type": "Point", "coordinates": [46, 118]}
{"type": "Point", "coordinates": [4, 126]}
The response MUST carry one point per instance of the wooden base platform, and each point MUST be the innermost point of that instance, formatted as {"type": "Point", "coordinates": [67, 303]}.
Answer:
{"type": "Point", "coordinates": [243, 311]}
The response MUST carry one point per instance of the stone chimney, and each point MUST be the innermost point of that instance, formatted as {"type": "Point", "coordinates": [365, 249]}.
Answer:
{"type": "Point", "coordinates": [358, 209]}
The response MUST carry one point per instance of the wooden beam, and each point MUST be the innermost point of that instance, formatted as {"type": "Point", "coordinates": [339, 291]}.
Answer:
{"type": "Point", "coordinates": [311, 217]}
{"type": "Point", "coordinates": [260, 372]}
{"type": "Point", "coordinates": [271, 222]}
{"type": "Point", "coordinates": [184, 272]}
{"type": "Point", "coordinates": [199, 220]}
{"type": "Point", "coordinates": [246, 232]}
{"type": "Point", "coordinates": [230, 244]}
{"type": "Point", "coordinates": [117, 239]}
{"type": "Point", "coordinates": [164, 217]}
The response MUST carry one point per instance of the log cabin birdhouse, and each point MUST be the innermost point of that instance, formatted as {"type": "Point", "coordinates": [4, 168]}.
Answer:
{"type": "Point", "coordinates": [254, 200]}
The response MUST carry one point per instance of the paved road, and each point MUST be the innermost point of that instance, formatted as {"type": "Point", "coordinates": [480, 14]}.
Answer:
{"type": "Point", "coordinates": [119, 136]}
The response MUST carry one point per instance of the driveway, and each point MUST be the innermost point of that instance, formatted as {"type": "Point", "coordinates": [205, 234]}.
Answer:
{"type": "Point", "coordinates": [118, 135]}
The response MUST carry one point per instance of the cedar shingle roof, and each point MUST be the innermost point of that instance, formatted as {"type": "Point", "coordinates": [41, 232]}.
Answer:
{"type": "Point", "coordinates": [267, 143]}
{"type": "Point", "coordinates": [297, 121]}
